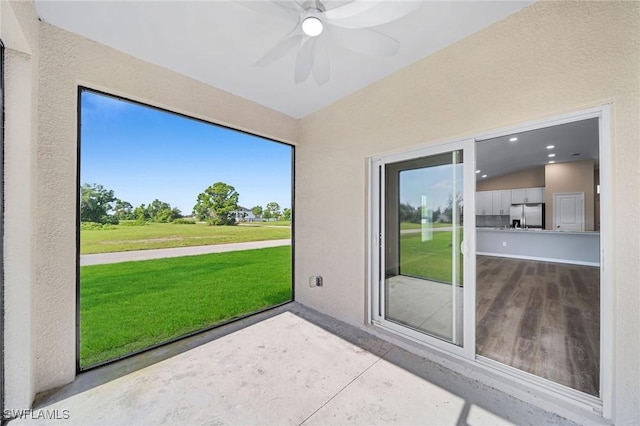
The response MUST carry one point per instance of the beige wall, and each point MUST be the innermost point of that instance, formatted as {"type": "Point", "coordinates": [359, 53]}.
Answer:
{"type": "Point", "coordinates": [20, 139]}
{"type": "Point", "coordinates": [41, 186]}
{"type": "Point", "coordinates": [548, 59]}
{"type": "Point", "coordinates": [576, 176]}
{"type": "Point", "coordinates": [552, 57]}
{"type": "Point", "coordinates": [530, 178]}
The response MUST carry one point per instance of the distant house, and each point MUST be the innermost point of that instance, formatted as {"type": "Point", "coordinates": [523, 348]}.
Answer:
{"type": "Point", "coordinates": [244, 214]}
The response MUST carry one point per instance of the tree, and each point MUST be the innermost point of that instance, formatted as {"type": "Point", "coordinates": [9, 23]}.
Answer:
{"type": "Point", "coordinates": [410, 214]}
{"type": "Point", "coordinates": [216, 204]}
{"type": "Point", "coordinates": [140, 213]}
{"type": "Point", "coordinates": [286, 214]}
{"type": "Point", "coordinates": [123, 210]}
{"type": "Point", "coordinates": [272, 210]}
{"type": "Point", "coordinates": [95, 204]}
{"type": "Point", "coordinates": [448, 211]}
{"type": "Point", "coordinates": [159, 211]}
{"type": "Point", "coordinates": [257, 211]}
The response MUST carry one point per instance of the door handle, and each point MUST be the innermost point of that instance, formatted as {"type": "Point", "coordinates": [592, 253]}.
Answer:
{"type": "Point", "coordinates": [463, 248]}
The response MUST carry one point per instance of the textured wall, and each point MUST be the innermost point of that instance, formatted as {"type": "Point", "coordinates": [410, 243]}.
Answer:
{"type": "Point", "coordinates": [66, 61]}
{"type": "Point", "coordinates": [548, 59]}
{"type": "Point", "coordinates": [20, 36]}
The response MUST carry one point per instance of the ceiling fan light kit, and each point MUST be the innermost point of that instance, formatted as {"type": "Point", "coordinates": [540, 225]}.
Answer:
{"type": "Point", "coordinates": [350, 26]}
{"type": "Point", "coordinates": [312, 26]}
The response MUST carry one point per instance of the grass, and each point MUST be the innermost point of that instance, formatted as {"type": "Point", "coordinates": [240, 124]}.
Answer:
{"type": "Point", "coordinates": [274, 223]}
{"type": "Point", "coordinates": [410, 225]}
{"type": "Point", "coordinates": [427, 259]}
{"type": "Point", "coordinates": [129, 306]}
{"type": "Point", "coordinates": [165, 235]}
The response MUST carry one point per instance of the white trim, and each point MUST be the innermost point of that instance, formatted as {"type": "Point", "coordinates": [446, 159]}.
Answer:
{"type": "Point", "coordinates": [595, 112]}
{"type": "Point", "coordinates": [565, 393]}
{"type": "Point", "coordinates": [604, 404]}
{"type": "Point", "coordinates": [541, 259]}
{"type": "Point", "coordinates": [607, 320]}
{"type": "Point", "coordinates": [467, 350]}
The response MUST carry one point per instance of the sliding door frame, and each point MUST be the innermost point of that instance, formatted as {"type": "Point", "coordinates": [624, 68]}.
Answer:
{"type": "Point", "coordinates": [603, 405]}
{"type": "Point", "coordinates": [377, 258]}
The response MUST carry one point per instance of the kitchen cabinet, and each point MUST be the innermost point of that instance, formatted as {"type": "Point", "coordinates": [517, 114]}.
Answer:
{"type": "Point", "coordinates": [501, 202]}
{"type": "Point", "coordinates": [535, 195]}
{"type": "Point", "coordinates": [493, 202]}
{"type": "Point", "coordinates": [484, 202]}
{"type": "Point", "coordinates": [527, 195]}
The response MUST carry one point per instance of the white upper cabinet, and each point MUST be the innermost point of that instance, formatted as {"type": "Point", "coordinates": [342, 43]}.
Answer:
{"type": "Point", "coordinates": [518, 196]}
{"type": "Point", "coordinates": [527, 195]}
{"type": "Point", "coordinates": [493, 202]}
{"type": "Point", "coordinates": [535, 195]}
{"type": "Point", "coordinates": [484, 203]}
{"type": "Point", "coordinates": [501, 202]}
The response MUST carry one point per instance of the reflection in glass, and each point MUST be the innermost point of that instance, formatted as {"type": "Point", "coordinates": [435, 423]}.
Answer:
{"type": "Point", "coordinates": [423, 231]}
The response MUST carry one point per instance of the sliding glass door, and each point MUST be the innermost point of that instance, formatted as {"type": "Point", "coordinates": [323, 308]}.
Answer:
{"type": "Point", "coordinates": [423, 285]}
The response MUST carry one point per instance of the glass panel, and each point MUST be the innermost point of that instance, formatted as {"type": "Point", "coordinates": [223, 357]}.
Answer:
{"type": "Point", "coordinates": [423, 231]}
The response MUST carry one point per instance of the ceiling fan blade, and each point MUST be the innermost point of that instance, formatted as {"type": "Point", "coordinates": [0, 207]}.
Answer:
{"type": "Point", "coordinates": [304, 61]}
{"type": "Point", "coordinates": [322, 62]}
{"type": "Point", "coordinates": [377, 13]}
{"type": "Point", "coordinates": [350, 10]}
{"type": "Point", "coordinates": [280, 49]}
{"type": "Point", "coordinates": [366, 41]}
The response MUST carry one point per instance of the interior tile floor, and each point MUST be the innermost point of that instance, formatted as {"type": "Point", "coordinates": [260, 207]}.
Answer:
{"type": "Point", "coordinates": [540, 317]}
{"type": "Point", "coordinates": [288, 366]}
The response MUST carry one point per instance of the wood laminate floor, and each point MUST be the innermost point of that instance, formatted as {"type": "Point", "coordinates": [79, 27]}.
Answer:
{"type": "Point", "coordinates": [541, 317]}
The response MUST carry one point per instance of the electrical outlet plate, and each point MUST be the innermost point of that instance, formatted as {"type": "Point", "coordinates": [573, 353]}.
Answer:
{"type": "Point", "coordinates": [315, 281]}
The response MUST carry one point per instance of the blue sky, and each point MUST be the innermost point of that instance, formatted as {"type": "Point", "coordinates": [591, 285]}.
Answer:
{"type": "Point", "coordinates": [434, 182]}
{"type": "Point", "coordinates": [142, 154]}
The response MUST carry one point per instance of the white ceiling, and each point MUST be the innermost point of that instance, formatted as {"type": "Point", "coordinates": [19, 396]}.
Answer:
{"type": "Point", "coordinates": [218, 41]}
{"type": "Point", "coordinates": [572, 142]}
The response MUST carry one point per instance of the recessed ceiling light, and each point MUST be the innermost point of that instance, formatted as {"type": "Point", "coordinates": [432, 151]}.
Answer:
{"type": "Point", "coordinates": [477, 171]}
{"type": "Point", "coordinates": [484, 176]}
{"type": "Point", "coordinates": [550, 146]}
{"type": "Point", "coordinates": [551, 162]}
{"type": "Point", "coordinates": [513, 139]}
{"type": "Point", "coordinates": [312, 26]}
{"type": "Point", "coordinates": [551, 155]}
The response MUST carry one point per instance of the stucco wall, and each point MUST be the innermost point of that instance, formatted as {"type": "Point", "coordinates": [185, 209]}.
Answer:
{"type": "Point", "coordinates": [65, 61]}
{"type": "Point", "coordinates": [20, 37]}
{"type": "Point", "coordinates": [548, 59]}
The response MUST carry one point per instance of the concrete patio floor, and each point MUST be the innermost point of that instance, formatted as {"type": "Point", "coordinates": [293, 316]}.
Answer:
{"type": "Point", "coordinates": [288, 366]}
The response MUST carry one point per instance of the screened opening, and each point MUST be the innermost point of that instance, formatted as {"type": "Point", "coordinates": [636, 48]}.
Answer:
{"type": "Point", "coordinates": [182, 226]}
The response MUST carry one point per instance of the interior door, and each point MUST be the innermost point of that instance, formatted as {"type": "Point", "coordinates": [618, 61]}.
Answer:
{"type": "Point", "coordinates": [425, 287]}
{"type": "Point", "coordinates": [568, 212]}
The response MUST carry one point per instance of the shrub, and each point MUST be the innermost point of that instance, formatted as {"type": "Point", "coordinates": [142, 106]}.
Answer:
{"type": "Point", "coordinates": [90, 226]}
{"type": "Point", "coordinates": [132, 222]}
{"type": "Point", "coordinates": [183, 222]}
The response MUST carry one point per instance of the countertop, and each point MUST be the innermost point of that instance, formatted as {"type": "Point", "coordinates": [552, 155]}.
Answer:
{"type": "Point", "coordinates": [535, 230]}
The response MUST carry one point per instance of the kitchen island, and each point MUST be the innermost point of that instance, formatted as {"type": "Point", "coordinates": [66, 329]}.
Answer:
{"type": "Point", "coordinates": [578, 248]}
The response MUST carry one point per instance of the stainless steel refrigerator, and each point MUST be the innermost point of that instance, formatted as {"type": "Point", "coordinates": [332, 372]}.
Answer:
{"type": "Point", "coordinates": [527, 215]}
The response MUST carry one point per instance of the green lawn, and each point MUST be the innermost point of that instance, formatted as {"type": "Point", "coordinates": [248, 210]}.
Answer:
{"type": "Point", "coordinates": [125, 307]}
{"type": "Point", "coordinates": [274, 223]}
{"type": "Point", "coordinates": [411, 225]}
{"type": "Point", "coordinates": [427, 259]}
{"type": "Point", "coordinates": [165, 235]}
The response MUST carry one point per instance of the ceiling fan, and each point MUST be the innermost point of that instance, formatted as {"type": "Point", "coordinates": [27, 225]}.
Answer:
{"type": "Point", "coordinates": [318, 23]}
